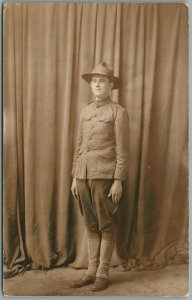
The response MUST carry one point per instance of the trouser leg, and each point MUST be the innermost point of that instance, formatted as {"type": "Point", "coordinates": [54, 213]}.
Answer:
{"type": "Point", "coordinates": [104, 208]}
{"type": "Point", "coordinates": [88, 209]}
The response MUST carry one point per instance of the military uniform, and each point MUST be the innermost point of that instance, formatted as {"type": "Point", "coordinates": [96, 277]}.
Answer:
{"type": "Point", "coordinates": [101, 156]}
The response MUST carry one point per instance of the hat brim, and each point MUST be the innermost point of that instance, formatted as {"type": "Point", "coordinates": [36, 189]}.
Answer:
{"type": "Point", "coordinates": [116, 80]}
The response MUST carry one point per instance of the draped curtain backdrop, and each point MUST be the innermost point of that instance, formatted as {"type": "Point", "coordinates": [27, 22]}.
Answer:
{"type": "Point", "coordinates": [47, 46]}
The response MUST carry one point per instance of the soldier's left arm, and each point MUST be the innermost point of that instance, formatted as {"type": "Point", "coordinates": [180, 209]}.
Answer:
{"type": "Point", "coordinates": [122, 138]}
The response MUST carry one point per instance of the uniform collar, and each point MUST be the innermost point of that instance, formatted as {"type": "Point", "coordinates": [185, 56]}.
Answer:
{"type": "Point", "coordinates": [102, 102]}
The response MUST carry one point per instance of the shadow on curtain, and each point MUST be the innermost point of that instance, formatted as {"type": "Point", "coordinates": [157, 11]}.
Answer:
{"type": "Point", "coordinates": [47, 46]}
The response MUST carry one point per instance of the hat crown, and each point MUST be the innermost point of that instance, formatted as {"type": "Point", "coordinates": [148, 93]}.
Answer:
{"type": "Point", "coordinates": [103, 69]}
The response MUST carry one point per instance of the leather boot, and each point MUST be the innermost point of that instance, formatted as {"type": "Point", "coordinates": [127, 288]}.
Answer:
{"type": "Point", "coordinates": [93, 255]}
{"type": "Point", "coordinates": [102, 275]}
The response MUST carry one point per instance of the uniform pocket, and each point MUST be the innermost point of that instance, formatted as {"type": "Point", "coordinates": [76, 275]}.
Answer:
{"type": "Point", "coordinates": [106, 119]}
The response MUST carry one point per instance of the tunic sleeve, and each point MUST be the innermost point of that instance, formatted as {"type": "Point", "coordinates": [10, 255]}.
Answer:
{"type": "Point", "coordinates": [78, 145]}
{"type": "Point", "coordinates": [122, 137]}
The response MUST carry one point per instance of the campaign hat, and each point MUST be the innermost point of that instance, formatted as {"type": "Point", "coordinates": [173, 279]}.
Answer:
{"type": "Point", "coordinates": [105, 70]}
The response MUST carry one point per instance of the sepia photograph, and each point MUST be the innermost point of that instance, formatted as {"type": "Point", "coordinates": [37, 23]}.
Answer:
{"type": "Point", "coordinates": [95, 149]}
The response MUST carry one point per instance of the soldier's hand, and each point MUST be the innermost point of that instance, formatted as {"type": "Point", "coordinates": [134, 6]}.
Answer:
{"type": "Point", "coordinates": [116, 191]}
{"type": "Point", "coordinates": [74, 188]}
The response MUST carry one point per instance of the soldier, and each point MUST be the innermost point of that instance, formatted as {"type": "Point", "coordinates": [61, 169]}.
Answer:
{"type": "Point", "coordinates": [99, 167]}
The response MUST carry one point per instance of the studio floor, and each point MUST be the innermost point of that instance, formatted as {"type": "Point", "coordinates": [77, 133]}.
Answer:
{"type": "Point", "coordinates": [170, 281]}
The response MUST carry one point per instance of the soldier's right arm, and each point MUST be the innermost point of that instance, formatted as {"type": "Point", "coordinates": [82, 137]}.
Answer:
{"type": "Point", "coordinates": [78, 145]}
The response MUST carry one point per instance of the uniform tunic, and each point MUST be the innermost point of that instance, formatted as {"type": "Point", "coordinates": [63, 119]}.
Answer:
{"type": "Point", "coordinates": [103, 142]}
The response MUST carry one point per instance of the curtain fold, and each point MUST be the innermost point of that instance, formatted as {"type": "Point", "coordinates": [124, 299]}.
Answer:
{"type": "Point", "coordinates": [47, 46]}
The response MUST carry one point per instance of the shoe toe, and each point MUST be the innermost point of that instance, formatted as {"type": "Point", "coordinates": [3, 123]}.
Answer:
{"type": "Point", "coordinates": [100, 284]}
{"type": "Point", "coordinates": [85, 280]}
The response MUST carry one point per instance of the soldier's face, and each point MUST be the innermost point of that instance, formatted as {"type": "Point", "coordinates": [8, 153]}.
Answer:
{"type": "Point", "coordinates": [101, 86]}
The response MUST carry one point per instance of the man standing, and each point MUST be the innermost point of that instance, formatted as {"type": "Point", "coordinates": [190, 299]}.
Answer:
{"type": "Point", "coordinates": [99, 167]}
